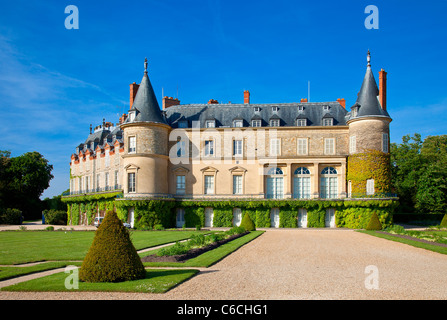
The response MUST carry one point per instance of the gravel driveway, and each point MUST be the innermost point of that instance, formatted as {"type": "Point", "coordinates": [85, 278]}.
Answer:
{"type": "Point", "coordinates": [305, 264]}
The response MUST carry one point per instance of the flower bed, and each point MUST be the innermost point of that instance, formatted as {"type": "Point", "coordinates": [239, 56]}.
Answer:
{"type": "Point", "coordinates": [197, 245]}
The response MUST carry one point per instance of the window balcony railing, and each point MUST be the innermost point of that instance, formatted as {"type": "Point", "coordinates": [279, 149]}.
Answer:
{"type": "Point", "coordinates": [116, 187]}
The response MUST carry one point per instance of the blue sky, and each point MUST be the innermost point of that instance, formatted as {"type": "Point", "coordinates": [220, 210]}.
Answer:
{"type": "Point", "coordinates": [55, 82]}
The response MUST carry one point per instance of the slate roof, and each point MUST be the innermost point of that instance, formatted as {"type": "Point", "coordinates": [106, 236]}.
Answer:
{"type": "Point", "coordinates": [367, 103]}
{"type": "Point", "coordinates": [145, 103]}
{"type": "Point", "coordinates": [224, 114]}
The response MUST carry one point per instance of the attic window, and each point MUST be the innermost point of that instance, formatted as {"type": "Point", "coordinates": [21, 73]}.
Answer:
{"type": "Point", "coordinates": [301, 122]}
{"type": "Point", "coordinates": [300, 108]}
{"type": "Point", "coordinates": [210, 124]}
{"type": "Point", "coordinates": [237, 123]}
{"type": "Point", "coordinates": [355, 111]}
{"type": "Point", "coordinates": [183, 124]}
{"type": "Point", "coordinates": [257, 109]}
{"type": "Point", "coordinates": [274, 123]}
{"type": "Point", "coordinates": [256, 123]}
{"type": "Point", "coordinates": [326, 108]}
{"type": "Point", "coordinates": [131, 115]}
{"type": "Point", "coordinates": [328, 122]}
{"type": "Point", "coordinates": [275, 109]}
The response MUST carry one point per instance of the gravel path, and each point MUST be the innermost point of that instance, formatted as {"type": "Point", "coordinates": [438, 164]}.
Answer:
{"type": "Point", "coordinates": [304, 264]}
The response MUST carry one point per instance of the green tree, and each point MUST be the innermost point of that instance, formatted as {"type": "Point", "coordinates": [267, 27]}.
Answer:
{"type": "Point", "coordinates": [23, 181]}
{"type": "Point", "coordinates": [419, 173]}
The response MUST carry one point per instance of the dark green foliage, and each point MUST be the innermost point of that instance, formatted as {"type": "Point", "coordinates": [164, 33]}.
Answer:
{"type": "Point", "coordinates": [55, 217]}
{"type": "Point", "coordinates": [112, 256]}
{"type": "Point", "coordinates": [247, 223]}
{"type": "Point", "coordinates": [374, 223]}
{"type": "Point", "coordinates": [444, 221]}
{"type": "Point", "coordinates": [11, 216]}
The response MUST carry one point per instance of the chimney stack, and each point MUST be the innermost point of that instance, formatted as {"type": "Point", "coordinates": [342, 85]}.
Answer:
{"type": "Point", "coordinates": [169, 102]}
{"type": "Point", "coordinates": [382, 88]}
{"type": "Point", "coordinates": [303, 100]}
{"type": "Point", "coordinates": [212, 101]}
{"type": "Point", "coordinates": [342, 102]}
{"type": "Point", "coordinates": [133, 92]}
{"type": "Point", "coordinates": [246, 97]}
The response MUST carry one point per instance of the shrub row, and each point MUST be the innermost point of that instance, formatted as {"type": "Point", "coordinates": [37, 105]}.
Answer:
{"type": "Point", "coordinates": [198, 241]}
{"type": "Point", "coordinates": [57, 217]}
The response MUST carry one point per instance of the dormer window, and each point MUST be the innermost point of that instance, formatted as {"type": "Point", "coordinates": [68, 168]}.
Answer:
{"type": "Point", "coordinates": [328, 122]}
{"type": "Point", "coordinates": [355, 111]}
{"type": "Point", "coordinates": [237, 123]}
{"type": "Point", "coordinates": [275, 109]}
{"type": "Point", "coordinates": [326, 108]}
{"type": "Point", "coordinates": [256, 123]}
{"type": "Point", "coordinates": [257, 109]}
{"type": "Point", "coordinates": [132, 115]}
{"type": "Point", "coordinates": [301, 122]}
{"type": "Point", "coordinates": [300, 108]}
{"type": "Point", "coordinates": [183, 124]}
{"type": "Point", "coordinates": [274, 123]}
{"type": "Point", "coordinates": [210, 123]}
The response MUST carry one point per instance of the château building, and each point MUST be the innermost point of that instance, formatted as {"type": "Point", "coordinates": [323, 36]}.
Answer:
{"type": "Point", "coordinates": [236, 151]}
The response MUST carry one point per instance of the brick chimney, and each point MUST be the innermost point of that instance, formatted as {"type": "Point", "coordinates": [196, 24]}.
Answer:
{"type": "Point", "coordinates": [246, 97]}
{"type": "Point", "coordinates": [212, 101]}
{"type": "Point", "coordinates": [123, 118]}
{"type": "Point", "coordinates": [133, 92]}
{"type": "Point", "coordinates": [169, 102]}
{"type": "Point", "coordinates": [303, 100]}
{"type": "Point", "coordinates": [342, 102]}
{"type": "Point", "coordinates": [382, 88]}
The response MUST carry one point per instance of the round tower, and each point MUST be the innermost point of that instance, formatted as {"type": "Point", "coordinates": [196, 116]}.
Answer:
{"type": "Point", "coordinates": [369, 136]}
{"type": "Point", "coordinates": [145, 160]}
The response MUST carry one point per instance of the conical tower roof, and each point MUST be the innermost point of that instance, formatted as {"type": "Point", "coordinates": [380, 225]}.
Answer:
{"type": "Point", "coordinates": [367, 99]}
{"type": "Point", "coordinates": [145, 104]}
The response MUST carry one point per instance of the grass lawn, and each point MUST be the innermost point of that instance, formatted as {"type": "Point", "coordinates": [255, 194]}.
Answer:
{"type": "Point", "coordinates": [156, 281]}
{"type": "Point", "coordinates": [30, 246]}
{"type": "Point", "coordinates": [414, 243]}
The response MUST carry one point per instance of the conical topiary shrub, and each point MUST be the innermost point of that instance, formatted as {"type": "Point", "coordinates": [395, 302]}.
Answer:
{"type": "Point", "coordinates": [247, 223]}
{"type": "Point", "coordinates": [444, 221]}
{"type": "Point", "coordinates": [112, 256]}
{"type": "Point", "coordinates": [374, 223]}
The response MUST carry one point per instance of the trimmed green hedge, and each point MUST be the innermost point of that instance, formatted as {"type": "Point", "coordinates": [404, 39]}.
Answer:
{"type": "Point", "coordinates": [149, 213]}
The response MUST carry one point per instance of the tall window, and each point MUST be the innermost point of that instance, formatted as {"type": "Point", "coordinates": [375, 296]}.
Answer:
{"type": "Point", "coordinates": [209, 148]}
{"type": "Point", "coordinates": [107, 159]}
{"type": "Point", "coordinates": [275, 147]}
{"type": "Point", "coordinates": [385, 142]}
{"type": "Point", "coordinates": [98, 178]}
{"type": "Point", "coordinates": [181, 149]}
{"type": "Point", "coordinates": [352, 144]}
{"type": "Point", "coordinates": [132, 144]}
{"type": "Point", "coordinates": [237, 184]}
{"type": "Point", "coordinates": [209, 184]}
{"type": "Point", "coordinates": [106, 181]}
{"type": "Point", "coordinates": [116, 179]}
{"type": "Point", "coordinates": [301, 183]}
{"type": "Point", "coordinates": [329, 183]}
{"type": "Point", "coordinates": [181, 185]}
{"type": "Point", "coordinates": [237, 147]}
{"type": "Point", "coordinates": [302, 146]}
{"type": "Point", "coordinates": [131, 182]}
{"type": "Point", "coordinates": [275, 184]}
{"type": "Point", "coordinates": [370, 187]}
{"type": "Point", "coordinates": [329, 146]}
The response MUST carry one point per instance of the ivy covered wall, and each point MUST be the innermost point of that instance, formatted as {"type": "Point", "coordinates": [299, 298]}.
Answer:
{"type": "Point", "coordinates": [371, 164]}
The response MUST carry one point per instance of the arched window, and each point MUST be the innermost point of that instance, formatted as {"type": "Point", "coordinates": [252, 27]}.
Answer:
{"type": "Point", "coordinates": [329, 183]}
{"type": "Point", "coordinates": [301, 183]}
{"type": "Point", "coordinates": [275, 171]}
{"type": "Point", "coordinates": [275, 184]}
